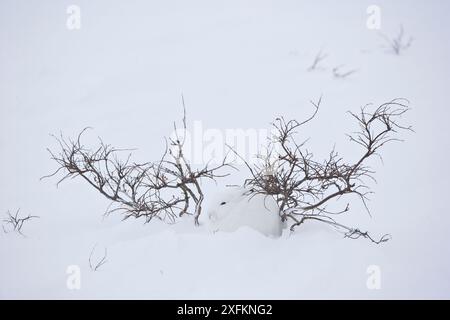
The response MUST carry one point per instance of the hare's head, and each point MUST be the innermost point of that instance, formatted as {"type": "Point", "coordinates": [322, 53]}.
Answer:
{"type": "Point", "coordinates": [235, 208]}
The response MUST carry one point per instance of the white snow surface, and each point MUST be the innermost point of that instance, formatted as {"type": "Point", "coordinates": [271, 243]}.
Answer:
{"type": "Point", "coordinates": [239, 64]}
{"type": "Point", "coordinates": [237, 207]}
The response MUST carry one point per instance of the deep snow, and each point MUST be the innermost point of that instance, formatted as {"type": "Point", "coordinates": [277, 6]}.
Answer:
{"type": "Point", "coordinates": [239, 64]}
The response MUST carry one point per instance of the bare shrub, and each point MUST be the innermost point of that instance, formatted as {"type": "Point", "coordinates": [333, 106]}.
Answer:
{"type": "Point", "coordinates": [165, 189]}
{"type": "Point", "coordinates": [304, 187]}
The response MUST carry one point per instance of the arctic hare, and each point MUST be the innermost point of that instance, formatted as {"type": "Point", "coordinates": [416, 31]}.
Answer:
{"type": "Point", "coordinates": [235, 208]}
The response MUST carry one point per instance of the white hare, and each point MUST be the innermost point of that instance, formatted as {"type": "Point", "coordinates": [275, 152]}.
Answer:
{"type": "Point", "coordinates": [235, 208]}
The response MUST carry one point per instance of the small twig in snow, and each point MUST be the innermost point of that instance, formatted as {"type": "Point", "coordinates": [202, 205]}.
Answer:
{"type": "Point", "coordinates": [96, 265]}
{"type": "Point", "coordinates": [16, 222]}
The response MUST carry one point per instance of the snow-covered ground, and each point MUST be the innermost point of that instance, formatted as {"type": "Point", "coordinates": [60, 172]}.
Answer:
{"type": "Point", "coordinates": [239, 64]}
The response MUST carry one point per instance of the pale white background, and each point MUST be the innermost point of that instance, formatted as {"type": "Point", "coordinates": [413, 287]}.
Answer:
{"type": "Point", "coordinates": [239, 64]}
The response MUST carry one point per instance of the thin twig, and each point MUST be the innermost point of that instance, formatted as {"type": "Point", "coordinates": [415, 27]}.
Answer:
{"type": "Point", "coordinates": [94, 266]}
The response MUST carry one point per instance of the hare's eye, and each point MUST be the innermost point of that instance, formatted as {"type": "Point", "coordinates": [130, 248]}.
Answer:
{"type": "Point", "coordinates": [223, 203]}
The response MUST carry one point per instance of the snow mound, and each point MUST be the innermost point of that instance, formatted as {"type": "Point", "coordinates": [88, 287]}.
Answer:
{"type": "Point", "coordinates": [235, 208]}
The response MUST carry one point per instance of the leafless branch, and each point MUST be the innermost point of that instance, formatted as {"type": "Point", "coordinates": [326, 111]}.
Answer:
{"type": "Point", "coordinates": [14, 222]}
